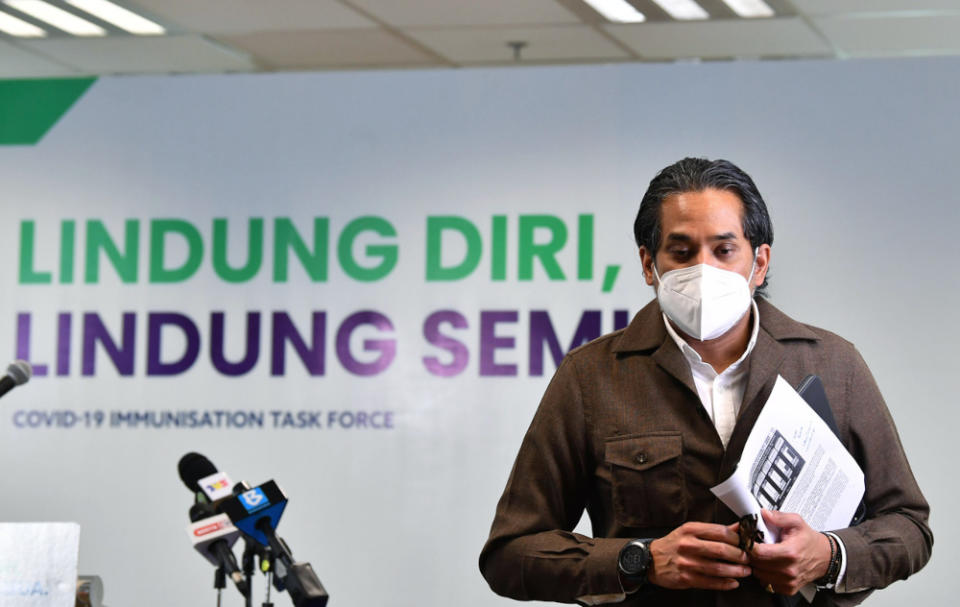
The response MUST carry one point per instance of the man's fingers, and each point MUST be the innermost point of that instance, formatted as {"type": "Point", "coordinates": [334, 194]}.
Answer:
{"type": "Point", "coordinates": [712, 568]}
{"type": "Point", "coordinates": [698, 555]}
{"type": "Point", "coordinates": [720, 569]}
{"type": "Point", "coordinates": [711, 541]}
{"type": "Point", "coordinates": [781, 519]}
{"type": "Point", "coordinates": [779, 581]}
{"type": "Point", "coordinates": [773, 552]}
{"type": "Point", "coordinates": [718, 551]}
{"type": "Point", "coordinates": [711, 531]}
{"type": "Point", "coordinates": [769, 575]}
{"type": "Point", "coordinates": [779, 585]}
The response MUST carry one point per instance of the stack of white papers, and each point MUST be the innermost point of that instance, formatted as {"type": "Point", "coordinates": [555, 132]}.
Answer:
{"type": "Point", "coordinates": [793, 462]}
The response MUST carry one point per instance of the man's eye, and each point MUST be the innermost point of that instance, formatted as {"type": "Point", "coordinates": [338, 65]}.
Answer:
{"type": "Point", "coordinates": [724, 250]}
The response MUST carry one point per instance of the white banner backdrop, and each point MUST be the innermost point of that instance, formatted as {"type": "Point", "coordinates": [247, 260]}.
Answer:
{"type": "Point", "coordinates": [356, 283]}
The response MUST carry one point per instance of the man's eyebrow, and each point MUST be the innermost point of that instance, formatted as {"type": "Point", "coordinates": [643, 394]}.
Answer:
{"type": "Point", "coordinates": [680, 237]}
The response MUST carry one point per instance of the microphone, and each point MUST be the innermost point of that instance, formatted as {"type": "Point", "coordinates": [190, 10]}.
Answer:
{"type": "Point", "coordinates": [202, 478]}
{"type": "Point", "coordinates": [251, 548]}
{"type": "Point", "coordinates": [213, 536]}
{"type": "Point", "coordinates": [18, 372]}
{"type": "Point", "coordinates": [256, 512]}
{"type": "Point", "coordinates": [256, 508]}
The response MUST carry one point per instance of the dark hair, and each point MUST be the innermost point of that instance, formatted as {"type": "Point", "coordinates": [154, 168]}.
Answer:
{"type": "Point", "coordinates": [696, 175]}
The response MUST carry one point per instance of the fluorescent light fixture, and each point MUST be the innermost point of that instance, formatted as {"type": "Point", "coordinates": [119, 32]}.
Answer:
{"type": "Point", "coordinates": [19, 28]}
{"type": "Point", "coordinates": [119, 16]}
{"type": "Point", "coordinates": [684, 10]}
{"type": "Point", "coordinates": [57, 17]}
{"type": "Point", "coordinates": [620, 11]}
{"type": "Point", "coordinates": [750, 8]}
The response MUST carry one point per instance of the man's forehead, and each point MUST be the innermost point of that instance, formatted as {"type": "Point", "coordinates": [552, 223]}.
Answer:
{"type": "Point", "coordinates": [714, 214]}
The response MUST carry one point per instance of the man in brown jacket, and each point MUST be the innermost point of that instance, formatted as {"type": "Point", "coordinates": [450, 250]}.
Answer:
{"type": "Point", "coordinates": [637, 425]}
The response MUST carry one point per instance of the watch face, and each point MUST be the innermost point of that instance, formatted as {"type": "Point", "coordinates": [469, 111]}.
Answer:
{"type": "Point", "coordinates": [633, 559]}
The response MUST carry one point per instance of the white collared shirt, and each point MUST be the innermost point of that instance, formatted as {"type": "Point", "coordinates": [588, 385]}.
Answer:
{"type": "Point", "coordinates": [720, 393]}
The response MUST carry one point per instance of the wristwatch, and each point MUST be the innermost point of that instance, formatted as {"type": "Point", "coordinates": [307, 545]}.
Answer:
{"type": "Point", "coordinates": [634, 560]}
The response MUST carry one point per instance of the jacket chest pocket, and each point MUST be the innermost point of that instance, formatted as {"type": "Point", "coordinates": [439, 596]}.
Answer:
{"type": "Point", "coordinates": [647, 479]}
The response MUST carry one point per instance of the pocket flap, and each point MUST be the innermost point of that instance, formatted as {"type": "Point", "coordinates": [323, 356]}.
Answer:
{"type": "Point", "coordinates": [642, 452]}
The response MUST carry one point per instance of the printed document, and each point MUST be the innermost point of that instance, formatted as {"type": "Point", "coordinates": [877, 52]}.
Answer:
{"type": "Point", "coordinates": [793, 462]}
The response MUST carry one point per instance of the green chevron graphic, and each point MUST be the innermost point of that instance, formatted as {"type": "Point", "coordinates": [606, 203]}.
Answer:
{"type": "Point", "coordinates": [30, 108]}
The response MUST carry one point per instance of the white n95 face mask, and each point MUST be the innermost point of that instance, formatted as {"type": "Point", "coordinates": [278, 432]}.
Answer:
{"type": "Point", "coordinates": [703, 301]}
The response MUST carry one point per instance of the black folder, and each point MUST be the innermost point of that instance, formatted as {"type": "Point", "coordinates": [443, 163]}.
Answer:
{"type": "Point", "coordinates": [811, 389]}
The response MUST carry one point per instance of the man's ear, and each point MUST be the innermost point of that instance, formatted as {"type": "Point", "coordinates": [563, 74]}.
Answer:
{"type": "Point", "coordinates": [646, 260]}
{"type": "Point", "coordinates": [763, 264]}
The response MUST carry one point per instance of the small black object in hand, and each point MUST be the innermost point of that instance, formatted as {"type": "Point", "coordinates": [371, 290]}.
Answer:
{"type": "Point", "coordinates": [749, 534]}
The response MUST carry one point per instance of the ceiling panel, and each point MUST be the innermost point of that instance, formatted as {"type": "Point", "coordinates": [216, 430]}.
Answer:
{"type": "Point", "coordinates": [270, 35]}
{"type": "Point", "coordinates": [19, 63]}
{"type": "Point", "coordinates": [491, 45]}
{"type": "Point", "coordinates": [885, 35]}
{"type": "Point", "coordinates": [835, 7]}
{"type": "Point", "coordinates": [329, 49]}
{"type": "Point", "coordinates": [134, 54]}
{"type": "Point", "coordinates": [426, 13]}
{"type": "Point", "coordinates": [222, 16]}
{"type": "Point", "coordinates": [784, 37]}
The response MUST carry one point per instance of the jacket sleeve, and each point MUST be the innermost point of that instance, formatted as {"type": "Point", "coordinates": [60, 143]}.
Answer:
{"type": "Point", "coordinates": [894, 540]}
{"type": "Point", "coordinates": [531, 553]}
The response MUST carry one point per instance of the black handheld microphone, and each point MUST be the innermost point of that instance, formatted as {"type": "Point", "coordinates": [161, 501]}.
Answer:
{"type": "Point", "coordinates": [208, 484]}
{"type": "Point", "coordinates": [19, 372]}
{"type": "Point", "coordinates": [212, 534]}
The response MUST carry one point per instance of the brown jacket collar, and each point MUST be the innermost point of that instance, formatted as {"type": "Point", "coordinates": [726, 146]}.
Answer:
{"type": "Point", "coordinates": [646, 331]}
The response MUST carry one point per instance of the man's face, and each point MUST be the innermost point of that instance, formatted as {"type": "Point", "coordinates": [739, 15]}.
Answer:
{"type": "Point", "coordinates": [704, 227]}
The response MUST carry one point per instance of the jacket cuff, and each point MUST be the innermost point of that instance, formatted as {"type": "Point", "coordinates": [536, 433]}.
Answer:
{"type": "Point", "coordinates": [856, 552]}
{"type": "Point", "coordinates": [603, 572]}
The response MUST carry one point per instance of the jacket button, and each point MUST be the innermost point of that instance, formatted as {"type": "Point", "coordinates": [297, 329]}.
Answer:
{"type": "Point", "coordinates": [641, 458]}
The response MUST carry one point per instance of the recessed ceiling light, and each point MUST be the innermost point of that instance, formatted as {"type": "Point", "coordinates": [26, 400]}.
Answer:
{"type": "Point", "coordinates": [617, 10]}
{"type": "Point", "coordinates": [20, 28]}
{"type": "Point", "coordinates": [750, 8]}
{"type": "Point", "coordinates": [683, 9]}
{"type": "Point", "coordinates": [119, 16]}
{"type": "Point", "coordinates": [57, 17]}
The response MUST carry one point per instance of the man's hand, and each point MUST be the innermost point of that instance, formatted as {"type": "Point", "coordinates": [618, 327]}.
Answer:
{"type": "Point", "coordinates": [801, 556]}
{"type": "Point", "coordinates": [698, 555]}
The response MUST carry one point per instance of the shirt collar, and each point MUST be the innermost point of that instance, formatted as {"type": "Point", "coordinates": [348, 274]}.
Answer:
{"type": "Point", "coordinates": [693, 357]}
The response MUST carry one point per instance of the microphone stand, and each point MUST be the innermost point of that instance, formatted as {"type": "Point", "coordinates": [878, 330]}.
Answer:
{"type": "Point", "coordinates": [219, 582]}
{"type": "Point", "coordinates": [250, 551]}
{"type": "Point", "coordinates": [248, 554]}
{"type": "Point", "coordinates": [300, 581]}
{"type": "Point", "coordinates": [266, 601]}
